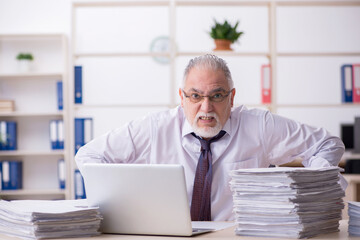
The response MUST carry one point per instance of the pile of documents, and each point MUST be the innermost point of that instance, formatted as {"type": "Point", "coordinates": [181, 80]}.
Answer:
{"type": "Point", "coordinates": [354, 218]}
{"type": "Point", "coordinates": [287, 202]}
{"type": "Point", "coordinates": [40, 219]}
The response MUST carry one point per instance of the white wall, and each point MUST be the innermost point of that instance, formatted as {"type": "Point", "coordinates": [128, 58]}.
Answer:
{"type": "Point", "coordinates": [29, 16]}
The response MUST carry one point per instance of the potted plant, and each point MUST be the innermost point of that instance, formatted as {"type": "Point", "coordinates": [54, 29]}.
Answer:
{"type": "Point", "coordinates": [24, 60]}
{"type": "Point", "coordinates": [224, 34]}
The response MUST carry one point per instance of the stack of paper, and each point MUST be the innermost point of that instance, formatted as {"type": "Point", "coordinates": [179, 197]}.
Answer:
{"type": "Point", "coordinates": [354, 218]}
{"type": "Point", "coordinates": [287, 202]}
{"type": "Point", "coordinates": [39, 219]}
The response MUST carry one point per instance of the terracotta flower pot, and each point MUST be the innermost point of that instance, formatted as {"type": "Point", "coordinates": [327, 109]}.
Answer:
{"type": "Point", "coordinates": [222, 45]}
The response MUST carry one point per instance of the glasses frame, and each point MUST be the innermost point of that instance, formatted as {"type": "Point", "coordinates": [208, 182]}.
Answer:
{"type": "Point", "coordinates": [208, 96]}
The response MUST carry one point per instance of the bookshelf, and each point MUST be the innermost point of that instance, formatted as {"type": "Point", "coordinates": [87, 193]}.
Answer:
{"type": "Point", "coordinates": [124, 92]}
{"type": "Point", "coordinates": [35, 95]}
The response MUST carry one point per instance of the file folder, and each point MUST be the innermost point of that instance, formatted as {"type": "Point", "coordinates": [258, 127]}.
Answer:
{"type": "Point", "coordinates": [78, 84]}
{"type": "Point", "coordinates": [60, 99]}
{"type": "Point", "coordinates": [60, 134]}
{"type": "Point", "coordinates": [346, 83]}
{"type": "Point", "coordinates": [3, 136]}
{"type": "Point", "coordinates": [266, 83]}
{"type": "Point", "coordinates": [53, 134]}
{"type": "Point", "coordinates": [83, 132]}
{"type": "Point", "coordinates": [11, 175]}
{"type": "Point", "coordinates": [11, 135]}
{"type": "Point", "coordinates": [79, 185]}
{"type": "Point", "coordinates": [356, 83]}
{"type": "Point", "coordinates": [61, 173]}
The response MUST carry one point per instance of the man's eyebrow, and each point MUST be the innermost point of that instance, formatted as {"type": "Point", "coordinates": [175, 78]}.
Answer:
{"type": "Point", "coordinates": [195, 90]}
{"type": "Point", "coordinates": [220, 89]}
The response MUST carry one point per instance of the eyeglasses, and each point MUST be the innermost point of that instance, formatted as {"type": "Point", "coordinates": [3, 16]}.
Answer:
{"type": "Point", "coordinates": [216, 97]}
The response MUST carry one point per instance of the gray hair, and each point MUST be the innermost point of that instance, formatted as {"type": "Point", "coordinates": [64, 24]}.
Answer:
{"type": "Point", "coordinates": [211, 62]}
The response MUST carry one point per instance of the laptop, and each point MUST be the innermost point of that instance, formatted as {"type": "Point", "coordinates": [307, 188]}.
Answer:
{"type": "Point", "coordinates": [146, 199]}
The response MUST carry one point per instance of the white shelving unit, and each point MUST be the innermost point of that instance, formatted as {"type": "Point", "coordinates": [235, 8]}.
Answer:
{"type": "Point", "coordinates": [112, 98]}
{"type": "Point", "coordinates": [35, 97]}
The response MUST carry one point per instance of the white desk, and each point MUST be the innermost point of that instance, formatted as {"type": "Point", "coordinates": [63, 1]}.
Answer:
{"type": "Point", "coordinates": [219, 235]}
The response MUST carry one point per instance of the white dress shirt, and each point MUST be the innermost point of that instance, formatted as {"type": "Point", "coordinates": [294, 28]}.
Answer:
{"type": "Point", "coordinates": [254, 139]}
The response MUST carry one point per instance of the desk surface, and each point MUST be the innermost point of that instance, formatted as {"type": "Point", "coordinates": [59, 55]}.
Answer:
{"type": "Point", "coordinates": [220, 235]}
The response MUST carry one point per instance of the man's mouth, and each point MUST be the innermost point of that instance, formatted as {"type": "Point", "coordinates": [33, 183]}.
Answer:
{"type": "Point", "coordinates": [206, 118]}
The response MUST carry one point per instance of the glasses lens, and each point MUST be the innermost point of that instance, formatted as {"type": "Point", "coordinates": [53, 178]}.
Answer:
{"type": "Point", "coordinates": [195, 98]}
{"type": "Point", "coordinates": [217, 97]}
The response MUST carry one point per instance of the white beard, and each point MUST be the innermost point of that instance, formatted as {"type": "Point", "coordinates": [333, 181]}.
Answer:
{"type": "Point", "coordinates": [207, 132]}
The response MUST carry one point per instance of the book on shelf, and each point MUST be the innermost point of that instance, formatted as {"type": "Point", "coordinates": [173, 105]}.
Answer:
{"type": "Point", "coordinates": [8, 135]}
{"type": "Point", "coordinates": [60, 134]}
{"type": "Point", "coordinates": [57, 134]}
{"type": "Point", "coordinates": [61, 173]}
{"type": "Point", "coordinates": [79, 185]}
{"type": "Point", "coordinates": [60, 98]}
{"type": "Point", "coordinates": [7, 105]}
{"type": "Point", "coordinates": [356, 82]}
{"type": "Point", "coordinates": [346, 83]}
{"type": "Point", "coordinates": [78, 84]}
{"type": "Point", "coordinates": [83, 132]}
{"type": "Point", "coordinates": [11, 175]}
{"type": "Point", "coordinates": [350, 83]}
{"type": "Point", "coordinates": [266, 83]}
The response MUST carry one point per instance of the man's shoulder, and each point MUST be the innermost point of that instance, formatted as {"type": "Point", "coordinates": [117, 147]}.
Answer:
{"type": "Point", "coordinates": [243, 111]}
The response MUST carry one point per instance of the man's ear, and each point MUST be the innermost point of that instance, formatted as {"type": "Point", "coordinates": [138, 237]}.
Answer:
{"type": "Point", "coordinates": [233, 91]}
{"type": "Point", "coordinates": [181, 97]}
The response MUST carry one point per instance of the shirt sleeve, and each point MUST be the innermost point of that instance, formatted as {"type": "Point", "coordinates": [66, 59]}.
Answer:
{"type": "Point", "coordinates": [128, 144]}
{"type": "Point", "coordinates": [287, 140]}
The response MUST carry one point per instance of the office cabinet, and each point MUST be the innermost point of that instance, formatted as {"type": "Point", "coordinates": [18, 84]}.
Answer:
{"type": "Point", "coordinates": [35, 96]}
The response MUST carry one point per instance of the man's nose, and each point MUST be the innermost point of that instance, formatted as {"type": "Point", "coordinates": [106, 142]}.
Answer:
{"type": "Point", "coordinates": [206, 105]}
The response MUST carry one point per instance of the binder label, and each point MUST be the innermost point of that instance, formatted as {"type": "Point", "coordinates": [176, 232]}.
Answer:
{"type": "Point", "coordinates": [6, 171]}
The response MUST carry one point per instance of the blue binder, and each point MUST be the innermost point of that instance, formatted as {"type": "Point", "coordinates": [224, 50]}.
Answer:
{"type": "Point", "coordinates": [61, 173]}
{"type": "Point", "coordinates": [79, 133]}
{"type": "Point", "coordinates": [78, 84]}
{"type": "Point", "coordinates": [53, 135]}
{"type": "Point", "coordinates": [60, 100]}
{"type": "Point", "coordinates": [8, 135]}
{"type": "Point", "coordinates": [11, 175]}
{"type": "Point", "coordinates": [3, 135]}
{"type": "Point", "coordinates": [79, 185]}
{"type": "Point", "coordinates": [60, 134]}
{"type": "Point", "coordinates": [11, 135]}
{"type": "Point", "coordinates": [83, 132]}
{"type": "Point", "coordinates": [346, 83]}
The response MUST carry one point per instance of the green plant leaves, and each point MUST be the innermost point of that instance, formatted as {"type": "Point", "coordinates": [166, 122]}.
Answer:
{"type": "Point", "coordinates": [225, 31]}
{"type": "Point", "coordinates": [25, 56]}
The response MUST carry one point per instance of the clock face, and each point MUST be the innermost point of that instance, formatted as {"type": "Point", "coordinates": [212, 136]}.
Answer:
{"type": "Point", "coordinates": [161, 45]}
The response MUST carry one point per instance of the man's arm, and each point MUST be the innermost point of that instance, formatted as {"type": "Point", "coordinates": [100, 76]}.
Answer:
{"type": "Point", "coordinates": [127, 144]}
{"type": "Point", "coordinates": [288, 140]}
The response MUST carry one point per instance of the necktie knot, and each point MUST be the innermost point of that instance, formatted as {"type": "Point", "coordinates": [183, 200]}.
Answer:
{"type": "Point", "coordinates": [205, 144]}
